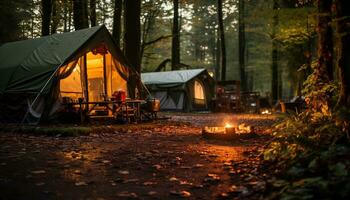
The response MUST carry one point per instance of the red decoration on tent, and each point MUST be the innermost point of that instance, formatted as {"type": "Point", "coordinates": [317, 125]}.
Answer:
{"type": "Point", "coordinates": [102, 49]}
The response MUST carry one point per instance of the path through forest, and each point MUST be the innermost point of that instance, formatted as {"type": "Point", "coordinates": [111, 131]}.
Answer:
{"type": "Point", "coordinates": [164, 161]}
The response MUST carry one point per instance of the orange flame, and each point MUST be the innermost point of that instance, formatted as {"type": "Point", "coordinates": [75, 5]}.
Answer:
{"type": "Point", "coordinates": [228, 125]}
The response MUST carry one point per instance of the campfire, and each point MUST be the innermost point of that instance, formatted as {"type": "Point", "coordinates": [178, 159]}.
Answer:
{"type": "Point", "coordinates": [266, 112]}
{"type": "Point", "coordinates": [228, 131]}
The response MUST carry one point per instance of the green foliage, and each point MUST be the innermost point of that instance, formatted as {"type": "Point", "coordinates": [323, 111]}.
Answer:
{"type": "Point", "coordinates": [312, 151]}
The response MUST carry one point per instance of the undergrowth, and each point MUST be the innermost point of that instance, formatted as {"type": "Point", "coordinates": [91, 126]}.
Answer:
{"type": "Point", "coordinates": [310, 156]}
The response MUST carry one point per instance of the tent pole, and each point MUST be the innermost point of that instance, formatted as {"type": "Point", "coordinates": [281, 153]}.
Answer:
{"type": "Point", "coordinates": [105, 76]}
{"type": "Point", "coordinates": [86, 81]}
{"type": "Point", "coordinates": [144, 86]}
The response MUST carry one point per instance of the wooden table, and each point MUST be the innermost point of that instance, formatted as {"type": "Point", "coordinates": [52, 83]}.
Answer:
{"type": "Point", "coordinates": [113, 106]}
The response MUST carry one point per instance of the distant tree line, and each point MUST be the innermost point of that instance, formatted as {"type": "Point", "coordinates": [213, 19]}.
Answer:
{"type": "Point", "coordinates": [268, 45]}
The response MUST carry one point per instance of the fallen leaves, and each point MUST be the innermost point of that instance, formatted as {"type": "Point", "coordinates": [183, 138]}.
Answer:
{"type": "Point", "coordinates": [81, 183]}
{"type": "Point", "coordinates": [153, 163]}
{"type": "Point", "coordinates": [127, 194]}
{"type": "Point", "coordinates": [147, 183]}
{"type": "Point", "coordinates": [123, 172]}
{"type": "Point", "coordinates": [182, 193]}
{"type": "Point", "coordinates": [212, 178]}
{"type": "Point", "coordinates": [38, 172]}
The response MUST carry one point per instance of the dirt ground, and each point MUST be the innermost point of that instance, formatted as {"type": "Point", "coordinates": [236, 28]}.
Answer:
{"type": "Point", "coordinates": [167, 161]}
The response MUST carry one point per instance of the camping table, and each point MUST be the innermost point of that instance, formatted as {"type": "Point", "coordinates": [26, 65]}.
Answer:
{"type": "Point", "coordinates": [133, 103]}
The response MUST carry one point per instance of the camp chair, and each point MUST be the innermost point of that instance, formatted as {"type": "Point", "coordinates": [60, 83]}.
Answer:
{"type": "Point", "coordinates": [122, 111]}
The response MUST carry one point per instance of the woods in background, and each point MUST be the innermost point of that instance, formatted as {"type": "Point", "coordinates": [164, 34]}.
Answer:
{"type": "Point", "coordinates": [268, 45]}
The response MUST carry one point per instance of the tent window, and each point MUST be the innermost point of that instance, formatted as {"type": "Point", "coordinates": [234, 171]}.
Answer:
{"type": "Point", "coordinates": [71, 85]}
{"type": "Point", "coordinates": [198, 90]}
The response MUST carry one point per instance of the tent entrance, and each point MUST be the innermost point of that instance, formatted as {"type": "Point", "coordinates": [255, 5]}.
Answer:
{"type": "Point", "coordinates": [94, 77]}
{"type": "Point", "coordinates": [199, 94]}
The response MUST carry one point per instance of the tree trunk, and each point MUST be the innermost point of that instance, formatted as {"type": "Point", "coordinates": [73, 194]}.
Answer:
{"type": "Point", "coordinates": [132, 42]}
{"type": "Point", "coordinates": [222, 40]}
{"type": "Point", "coordinates": [65, 15]}
{"type": "Point", "coordinates": [280, 83]}
{"type": "Point", "coordinates": [217, 56]}
{"type": "Point", "coordinates": [93, 13]}
{"type": "Point", "coordinates": [325, 42]}
{"type": "Point", "coordinates": [80, 16]}
{"type": "Point", "coordinates": [175, 48]}
{"type": "Point", "coordinates": [117, 15]}
{"type": "Point", "coordinates": [241, 44]}
{"type": "Point", "coordinates": [55, 17]}
{"type": "Point", "coordinates": [85, 15]}
{"type": "Point", "coordinates": [274, 66]}
{"type": "Point", "coordinates": [46, 16]}
{"type": "Point", "coordinates": [197, 31]}
{"type": "Point", "coordinates": [70, 13]}
{"type": "Point", "coordinates": [343, 59]}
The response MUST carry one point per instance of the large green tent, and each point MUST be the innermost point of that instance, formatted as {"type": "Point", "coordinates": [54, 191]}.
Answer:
{"type": "Point", "coordinates": [182, 90]}
{"type": "Point", "coordinates": [34, 72]}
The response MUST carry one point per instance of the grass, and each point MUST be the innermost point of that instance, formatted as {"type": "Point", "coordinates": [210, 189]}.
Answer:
{"type": "Point", "coordinates": [50, 131]}
{"type": "Point", "coordinates": [74, 130]}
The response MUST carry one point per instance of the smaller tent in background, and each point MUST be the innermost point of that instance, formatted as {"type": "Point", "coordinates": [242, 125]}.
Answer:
{"type": "Point", "coordinates": [38, 76]}
{"type": "Point", "coordinates": [182, 90]}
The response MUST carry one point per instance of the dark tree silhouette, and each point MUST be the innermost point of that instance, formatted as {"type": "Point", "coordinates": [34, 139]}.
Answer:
{"type": "Point", "coordinates": [46, 6]}
{"type": "Point", "coordinates": [325, 42]}
{"type": "Point", "coordinates": [222, 40]}
{"type": "Point", "coordinates": [132, 42]}
{"type": "Point", "coordinates": [55, 17]}
{"type": "Point", "coordinates": [274, 65]}
{"type": "Point", "coordinates": [80, 16]}
{"type": "Point", "coordinates": [342, 11]}
{"type": "Point", "coordinates": [117, 15]}
{"type": "Point", "coordinates": [93, 13]}
{"type": "Point", "coordinates": [175, 49]}
{"type": "Point", "coordinates": [241, 44]}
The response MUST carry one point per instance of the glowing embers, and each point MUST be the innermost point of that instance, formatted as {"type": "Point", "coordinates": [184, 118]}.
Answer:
{"type": "Point", "coordinates": [266, 112]}
{"type": "Point", "coordinates": [228, 131]}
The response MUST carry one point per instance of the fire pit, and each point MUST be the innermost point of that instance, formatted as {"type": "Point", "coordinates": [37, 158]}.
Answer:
{"type": "Point", "coordinates": [228, 132]}
{"type": "Point", "coordinates": [266, 112]}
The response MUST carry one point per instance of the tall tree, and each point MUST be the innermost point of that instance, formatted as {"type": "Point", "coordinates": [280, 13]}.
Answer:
{"type": "Point", "coordinates": [55, 16]}
{"type": "Point", "coordinates": [175, 49]}
{"type": "Point", "coordinates": [132, 42]}
{"type": "Point", "coordinates": [320, 78]}
{"type": "Point", "coordinates": [241, 44]}
{"type": "Point", "coordinates": [274, 65]}
{"type": "Point", "coordinates": [67, 15]}
{"type": "Point", "coordinates": [217, 57]}
{"type": "Point", "coordinates": [12, 13]}
{"type": "Point", "coordinates": [342, 11]}
{"type": "Point", "coordinates": [117, 18]}
{"type": "Point", "coordinates": [222, 40]}
{"type": "Point", "coordinates": [46, 6]}
{"type": "Point", "coordinates": [325, 35]}
{"type": "Point", "coordinates": [93, 13]}
{"type": "Point", "coordinates": [80, 16]}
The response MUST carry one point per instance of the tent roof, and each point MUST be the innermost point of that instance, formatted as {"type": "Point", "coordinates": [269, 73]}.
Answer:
{"type": "Point", "coordinates": [26, 65]}
{"type": "Point", "coordinates": [170, 77]}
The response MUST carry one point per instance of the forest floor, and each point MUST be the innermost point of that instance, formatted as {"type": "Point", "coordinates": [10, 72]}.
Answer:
{"type": "Point", "coordinates": [162, 160]}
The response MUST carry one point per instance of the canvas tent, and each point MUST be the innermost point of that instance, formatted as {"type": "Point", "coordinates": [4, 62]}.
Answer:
{"type": "Point", "coordinates": [183, 90]}
{"type": "Point", "coordinates": [36, 75]}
